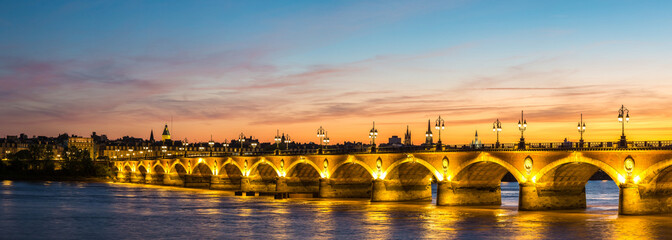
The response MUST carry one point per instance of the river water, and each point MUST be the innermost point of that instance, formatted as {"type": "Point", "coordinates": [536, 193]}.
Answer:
{"type": "Point", "coordinates": [67, 210]}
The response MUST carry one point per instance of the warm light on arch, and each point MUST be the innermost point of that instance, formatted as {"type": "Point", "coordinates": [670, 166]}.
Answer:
{"type": "Point", "coordinates": [436, 174]}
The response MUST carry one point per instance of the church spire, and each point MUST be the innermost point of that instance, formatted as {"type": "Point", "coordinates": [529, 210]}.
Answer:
{"type": "Point", "coordinates": [166, 134]}
{"type": "Point", "coordinates": [429, 140]}
{"type": "Point", "coordinates": [407, 137]}
{"type": "Point", "coordinates": [151, 136]}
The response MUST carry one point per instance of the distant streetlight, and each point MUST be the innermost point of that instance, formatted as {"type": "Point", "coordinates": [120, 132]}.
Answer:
{"type": "Point", "coordinates": [277, 139]}
{"type": "Point", "coordinates": [130, 154]}
{"type": "Point", "coordinates": [497, 127]}
{"type": "Point", "coordinates": [326, 138]}
{"type": "Point", "coordinates": [241, 140]}
{"type": "Point", "coordinates": [320, 134]}
{"type": "Point", "coordinates": [439, 125]}
{"type": "Point", "coordinates": [373, 134]}
{"type": "Point", "coordinates": [522, 126]}
{"type": "Point", "coordinates": [287, 141]}
{"type": "Point", "coordinates": [621, 112]}
{"type": "Point", "coordinates": [211, 144]}
{"type": "Point", "coordinates": [582, 128]}
{"type": "Point", "coordinates": [226, 145]}
{"type": "Point", "coordinates": [185, 144]}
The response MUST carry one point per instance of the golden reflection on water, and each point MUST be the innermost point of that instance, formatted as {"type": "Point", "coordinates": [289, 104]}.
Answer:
{"type": "Point", "coordinates": [214, 212]}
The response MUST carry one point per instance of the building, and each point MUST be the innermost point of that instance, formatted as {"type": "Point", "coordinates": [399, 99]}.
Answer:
{"type": "Point", "coordinates": [83, 143]}
{"type": "Point", "coordinates": [394, 141]}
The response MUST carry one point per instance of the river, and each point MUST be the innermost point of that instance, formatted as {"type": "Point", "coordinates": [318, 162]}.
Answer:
{"type": "Point", "coordinates": [71, 210]}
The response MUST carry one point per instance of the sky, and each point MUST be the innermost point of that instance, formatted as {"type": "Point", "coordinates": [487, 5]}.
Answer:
{"type": "Point", "coordinates": [222, 68]}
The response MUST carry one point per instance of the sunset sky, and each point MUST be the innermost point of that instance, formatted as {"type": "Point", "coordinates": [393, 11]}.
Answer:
{"type": "Point", "coordinates": [225, 67]}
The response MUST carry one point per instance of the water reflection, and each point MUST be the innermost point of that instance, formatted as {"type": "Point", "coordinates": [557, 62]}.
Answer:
{"type": "Point", "coordinates": [112, 211]}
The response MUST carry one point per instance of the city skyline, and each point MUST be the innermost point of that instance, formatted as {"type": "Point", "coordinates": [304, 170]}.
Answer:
{"type": "Point", "coordinates": [222, 68]}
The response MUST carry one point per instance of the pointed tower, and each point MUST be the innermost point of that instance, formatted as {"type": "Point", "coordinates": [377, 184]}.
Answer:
{"type": "Point", "coordinates": [429, 140]}
{"type": "Point", "coordinates": [476, 143]}
{"type": "Point", "coordinates": [151, 136]}
{"type": "Point", "coordinates": [166, 134]}
{"type": "Point", "coordinates": [407, 137]}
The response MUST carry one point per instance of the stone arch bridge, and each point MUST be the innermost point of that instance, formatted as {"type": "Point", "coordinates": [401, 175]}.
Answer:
{"type": "Point", "coordinates": [548, 179]}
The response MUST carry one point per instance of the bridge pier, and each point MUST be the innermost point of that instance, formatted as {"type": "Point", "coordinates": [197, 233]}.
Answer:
{"type": "Point", "coordinates": [121, 177]}
{"type": "Point", "coordinates": [637, 199]}
{"type": "Point", "coordinates": [330, 188]}
{"type": "Point", "coordinates": [281, 184]}
{"type": "Point", "coordinates": [449, 194]}
{"type": "Point", "coordinates": [395, 191]}
{"type": "Point", "coordinates": [136, 177]}
{"type": "Point", "coordinates": [533, 198]}
{"type": "Point", "coordinates": [172, 179]}
{"type": "Point", "coordinates": [197, 181]}
{"type": "Point", "coordinates": [224, 183]}
{"type": "Point", "coordinates": [245, 184]}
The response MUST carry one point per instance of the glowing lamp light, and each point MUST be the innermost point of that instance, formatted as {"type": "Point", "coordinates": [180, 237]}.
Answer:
{"type": "Point", "coordinates": [621, 178]}
{"type": "Point", "coordinates": [534, 179]}
{"type": "Point", "coordinates": [636, 179]}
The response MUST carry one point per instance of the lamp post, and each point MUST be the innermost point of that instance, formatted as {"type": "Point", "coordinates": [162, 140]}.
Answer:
{"type": "Point", "coordinates": [185, 144]}
{"type": "Point", "coordinates": [439, 125]}
{"type": "Point", "coordinates": [582, 128]}
{"type": "Point", "coordinates": [287, 142]}
{"type": "Point", "coordinates": [497, 127]}
{"type": "Point", "coordinates": [277, 139]}
{"type": "Point", "coordinates": [164, 149]}
{"type": "Point", "coordinates": [211, 144]}
{"type": "Point", "coordinates": [320, 135]}
{"type": "Point", "coordinates": [226, 145]}
{"type": "Point", "coordinates": [326, 139]}
{"type": "Point", "coordinates": [623, 112]}
{"type": "Point", "coordinates": [130, 154]}
{"type": "Point", "coordinates": [241, 140]}
{"type": "Point", "coordinates": [373, 134]}
{"type": "Point", "coordinates": [522, 126]}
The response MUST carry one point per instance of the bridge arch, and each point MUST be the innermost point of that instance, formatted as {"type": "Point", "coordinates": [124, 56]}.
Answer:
{"type": "Point", "coordinates": [655, 173]}
{"type": "Point", "coordinates": [157, 165]}
{"type": "Point", "coordinates": [202, 168]}
{"type": "Point", "coordinates": [262, 162]}
{"type": "Point", "coordinates": [485, 168]}
{"type": "Point", "coordinates": [395, 167]}
{"type": "Point", "coordinates": [228, 168]}
{"type": "Point", "coordinates": [174, 165]}
{"type": "Point", "coordinates": [351, 165]}
{"type": "Point", "coordinates": [572, 171]}
{"type": "Point", "coordinates": [292, 167]}
{"type": "Point", "coordinates": [128, 167]}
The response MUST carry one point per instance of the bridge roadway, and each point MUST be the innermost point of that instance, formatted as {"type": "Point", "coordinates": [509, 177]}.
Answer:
{"type": "Point", "coordinates": [549, 179]}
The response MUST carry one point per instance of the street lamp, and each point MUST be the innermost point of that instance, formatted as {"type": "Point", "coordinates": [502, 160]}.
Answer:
{"type": "Point", "coordinates": [439, 125]}
{"type": "Point", "coordinates": [326, 139]}
{"type": "Point", "coordinates": [211, 144]}
{"type": "Point", "coordinates": [287, 141]}
{"type": "Point", "coordinates": [582, 128]}
{"type": "Point", "coordinates": [497, 127]}
{"type": "Point", "coordinates": [225, 144]}
{"type": "Point", "coordinates": [185, 144]}
{"type": "Point", "coordinates": [130, 154]}
{"type": "Point", "coordinates": [241, 140]}
{"type": "Point", "coordinates": [373, 134]}
{"type": "Point", "coordinates": [164, 149]}
{"type": "Point", "coordinates": [621, 112]}
{"type": "Point", "coordinates": [320, 134]}
{"type": "Point", "coordinates": [522, 126]}
{"type": "Point", "coordinates": [277, 139]}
